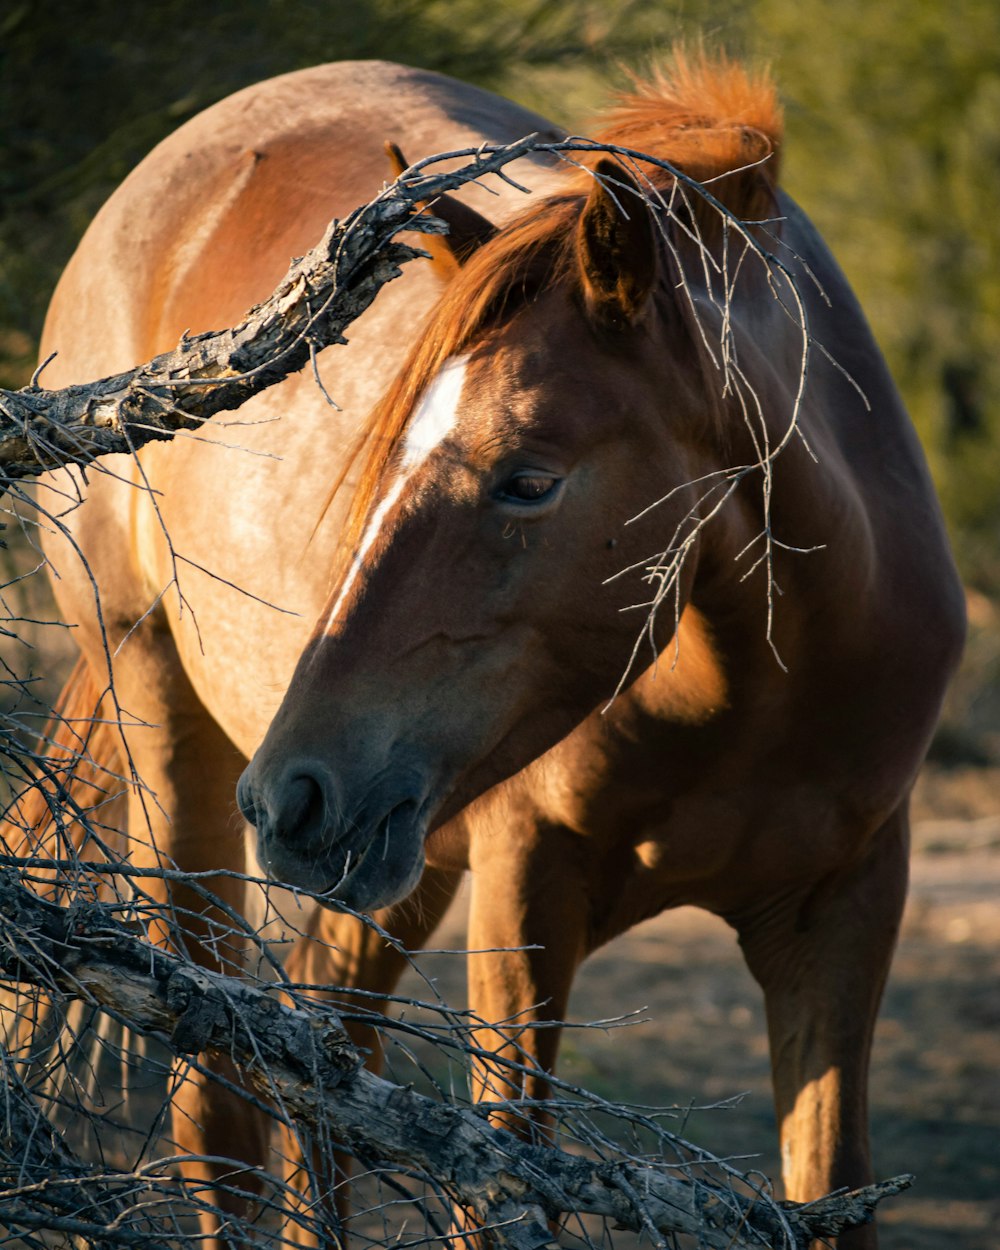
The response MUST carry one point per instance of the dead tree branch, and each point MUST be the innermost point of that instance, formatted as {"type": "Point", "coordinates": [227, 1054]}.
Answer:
{"type": "Point", "coordinates": [41, 1179]}
{"type": "Point", "coordinates": [305, 1058]}
{"type": "Point", "coordinates": [322, 293]}
{"type": "Point", "coordinates": [320, 296]}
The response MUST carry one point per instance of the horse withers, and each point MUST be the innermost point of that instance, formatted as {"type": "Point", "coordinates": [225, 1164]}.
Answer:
{"type": "Point", "coordinates": [456, 682]}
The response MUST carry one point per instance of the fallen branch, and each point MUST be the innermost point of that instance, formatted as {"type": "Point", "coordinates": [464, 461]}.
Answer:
{"type": "Point", "coordinates": [319, 297]}
{"type": "Point", "coordinates": [302, 1057]}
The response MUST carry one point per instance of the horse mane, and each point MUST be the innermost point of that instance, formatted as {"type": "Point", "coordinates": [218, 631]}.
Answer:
{"type": "Point", "coordinates": [716, 120]}
{"type": "Point", "coordinates": [709, 116]}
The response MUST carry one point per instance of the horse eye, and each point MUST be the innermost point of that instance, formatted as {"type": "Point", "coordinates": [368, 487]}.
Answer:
{"type": "Point", "coordinates": [527, 488]}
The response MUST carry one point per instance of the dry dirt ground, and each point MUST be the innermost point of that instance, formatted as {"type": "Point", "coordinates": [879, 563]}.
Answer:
{"type": "Point", "coordinates": [936, 1067]}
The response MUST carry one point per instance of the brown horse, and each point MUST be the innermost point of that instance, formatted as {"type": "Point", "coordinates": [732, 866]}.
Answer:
{"type": "Point", "coordinates": [460, 703]}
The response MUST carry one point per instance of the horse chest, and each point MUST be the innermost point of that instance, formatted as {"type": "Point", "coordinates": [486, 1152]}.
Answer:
{"type": "Point", "coordinates": [714, 815]}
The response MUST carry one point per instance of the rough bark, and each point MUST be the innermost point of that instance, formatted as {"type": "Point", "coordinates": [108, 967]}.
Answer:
{"type": "Point", "coordinates": [303, 1057]}
{"type": "Point", "coordinates": [319, 297]}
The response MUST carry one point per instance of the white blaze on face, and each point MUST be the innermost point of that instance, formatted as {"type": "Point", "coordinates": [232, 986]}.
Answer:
{"type": "Point", "coordinates": [436, 414]}
{"type": "Point", "coordinates": [435, 417]}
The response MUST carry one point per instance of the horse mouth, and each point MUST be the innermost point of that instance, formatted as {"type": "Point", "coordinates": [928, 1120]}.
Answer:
{"type": "Point", "coordinates": [386, 868]}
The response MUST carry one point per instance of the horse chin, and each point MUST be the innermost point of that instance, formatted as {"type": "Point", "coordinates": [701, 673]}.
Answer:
{"type": "Point", "coordinates": [377, 882]}
{"type": "Point", "coordinates": [380, 872]}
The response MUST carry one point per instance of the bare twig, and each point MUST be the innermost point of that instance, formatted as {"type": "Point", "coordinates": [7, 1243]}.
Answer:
{"type": "Point", "coordinates": [509, 1184]}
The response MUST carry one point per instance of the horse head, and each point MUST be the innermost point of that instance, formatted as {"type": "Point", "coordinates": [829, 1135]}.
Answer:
{"type": "Point", "coordinates": [477, 617]}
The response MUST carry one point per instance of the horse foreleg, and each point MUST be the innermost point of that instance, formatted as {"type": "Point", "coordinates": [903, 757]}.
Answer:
{"type": "Point", "coordinates": [341, 952]}
{"type": "Point", "coordinates": [528, 933]}
{"type": "Point", "coordinates": [181, 813]}
{"type": "Point", "coordinates": [822, 956]}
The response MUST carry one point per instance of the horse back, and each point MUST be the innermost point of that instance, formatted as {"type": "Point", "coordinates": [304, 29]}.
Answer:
{"type": "Point", "coordinates": [207, 224]}
{"type": "Point", "coordinates": [204, 228]}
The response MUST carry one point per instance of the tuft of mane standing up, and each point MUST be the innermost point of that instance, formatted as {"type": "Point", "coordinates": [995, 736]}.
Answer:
{"type": "Point", "coordinates": [707, 114]}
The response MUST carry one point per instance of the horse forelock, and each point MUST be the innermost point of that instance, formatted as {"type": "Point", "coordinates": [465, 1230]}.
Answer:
{"type": "Point", "coordinates": [710, 117]}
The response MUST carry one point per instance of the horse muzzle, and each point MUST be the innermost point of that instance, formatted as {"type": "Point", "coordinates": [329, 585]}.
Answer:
{"type": "Point", "coordinates": [367, 860]}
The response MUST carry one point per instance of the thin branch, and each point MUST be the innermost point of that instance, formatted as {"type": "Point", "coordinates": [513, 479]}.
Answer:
{"type": "Point", "coordinates": [305, 1058]}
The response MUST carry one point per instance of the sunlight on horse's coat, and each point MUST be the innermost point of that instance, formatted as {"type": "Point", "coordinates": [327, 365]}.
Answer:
{"type": "Point", "coordinates": [687, 682]}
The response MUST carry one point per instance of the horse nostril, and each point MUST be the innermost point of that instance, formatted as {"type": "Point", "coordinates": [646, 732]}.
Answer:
{"type": "Point", "coordinates": [300, 808]}
{"type": "Point", "coordinates": [292, 809]}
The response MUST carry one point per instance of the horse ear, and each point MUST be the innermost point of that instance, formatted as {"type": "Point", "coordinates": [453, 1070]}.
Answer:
{"type": "Point", "coordinates": [467, 229]}
{"type": "Point", "coordinates": [616, 247]}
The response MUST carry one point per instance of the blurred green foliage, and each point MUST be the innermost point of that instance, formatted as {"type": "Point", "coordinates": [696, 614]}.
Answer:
{"type": "Point", "coordinates": [893, 146]}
